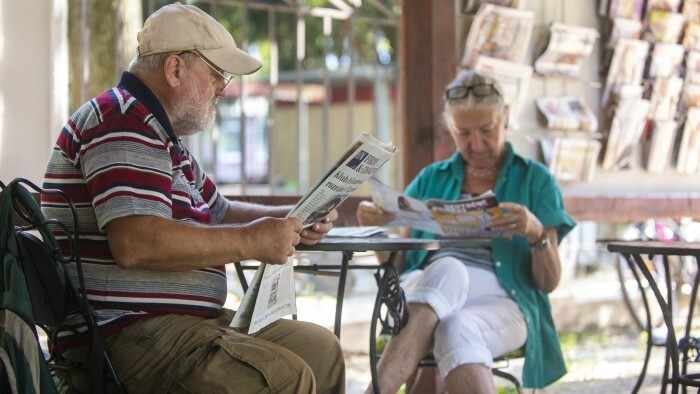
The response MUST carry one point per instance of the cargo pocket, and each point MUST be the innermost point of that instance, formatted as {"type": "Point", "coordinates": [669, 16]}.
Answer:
{"type": "Point", "coordinates": [238, 363]}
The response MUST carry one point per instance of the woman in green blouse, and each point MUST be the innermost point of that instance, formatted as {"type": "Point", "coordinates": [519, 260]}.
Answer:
{"type": "Point", "coordinates": [481, 298]}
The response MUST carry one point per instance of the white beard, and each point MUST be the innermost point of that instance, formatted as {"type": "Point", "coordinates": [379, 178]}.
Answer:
{"type": "Point", "coordinates": [191, 118]}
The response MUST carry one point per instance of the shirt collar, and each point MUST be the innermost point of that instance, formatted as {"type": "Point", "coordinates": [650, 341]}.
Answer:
{"type": "Point", "coordinates": [143, 94]}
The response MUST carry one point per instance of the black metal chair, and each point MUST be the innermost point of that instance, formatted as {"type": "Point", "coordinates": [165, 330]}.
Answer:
{"type": "Point", "coordinates": [52, 291]}
{"type": "Point", "coordinates": [392, 315]}
{"type": "Point", "coordinates": [500, 363]}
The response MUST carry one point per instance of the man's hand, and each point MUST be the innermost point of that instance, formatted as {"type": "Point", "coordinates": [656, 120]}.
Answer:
{"type": "Point", "coordinates": [369, 214]}
{"type": "Point", "coordinates": [318, 230]}
{"type": "Point", "coordinates": [273, 239]}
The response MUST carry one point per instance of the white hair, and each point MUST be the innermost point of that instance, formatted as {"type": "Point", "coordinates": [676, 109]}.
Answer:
{"type": "Point", "coordinates": [145, 65]}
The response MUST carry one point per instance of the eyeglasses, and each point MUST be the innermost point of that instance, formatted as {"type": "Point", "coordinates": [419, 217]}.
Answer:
{"type": "Point", "coordinates": [478, 90]}
{"type": "Point", "coordinates": [227, 76]}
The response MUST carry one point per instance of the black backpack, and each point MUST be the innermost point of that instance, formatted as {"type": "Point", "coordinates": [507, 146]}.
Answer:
{"type": "Point", "coordinates": [52, 293]}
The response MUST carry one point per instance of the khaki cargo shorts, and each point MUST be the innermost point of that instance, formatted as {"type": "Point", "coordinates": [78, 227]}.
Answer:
{"type": "Point", "coordinates": [188, 354]}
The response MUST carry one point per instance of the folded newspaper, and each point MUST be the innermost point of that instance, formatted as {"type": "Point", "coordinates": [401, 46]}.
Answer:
{"type": "Point", "coordinates": [270, 294]}
{"type": "Point", "coordinates": [466, 218]}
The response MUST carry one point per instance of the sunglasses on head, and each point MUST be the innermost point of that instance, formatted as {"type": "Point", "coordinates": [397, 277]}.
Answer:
{"type": "Point", "coordinates": [478, 90]}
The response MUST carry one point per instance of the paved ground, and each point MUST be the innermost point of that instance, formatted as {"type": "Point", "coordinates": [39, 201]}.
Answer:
{"type": "Point", "coordinates": [603, 354]}
{"type": "Point", "coordinates": [597, 364]}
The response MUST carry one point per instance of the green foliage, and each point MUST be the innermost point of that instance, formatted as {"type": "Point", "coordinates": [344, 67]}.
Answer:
{"type": "Point", "coordinates": [361, 39]}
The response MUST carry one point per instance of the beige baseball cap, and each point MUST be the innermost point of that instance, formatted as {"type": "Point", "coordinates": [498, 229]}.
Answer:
{"type": "Point", "coordinates": [178, 27]}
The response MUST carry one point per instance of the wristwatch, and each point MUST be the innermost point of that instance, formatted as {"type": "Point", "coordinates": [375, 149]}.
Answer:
{"type": "Point", "coordinates": [542, 241]}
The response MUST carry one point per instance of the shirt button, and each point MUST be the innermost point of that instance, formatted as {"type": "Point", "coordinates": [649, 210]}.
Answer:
{"type": "Point", "coordinates": [512, 292]}
{"type": "Point", "coordinates": [498, 263]}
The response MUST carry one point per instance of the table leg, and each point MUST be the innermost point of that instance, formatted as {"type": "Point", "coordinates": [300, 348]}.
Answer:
{"type": "Point", "coordinates": [391, 296]}
{"type": "Point", "coordinates": [688, 343]}
{"type": "Point", "coordinates": [671, 344]}
{"type": "Point", "coordinates": [342, 278]}
{"type": "Point", "coordinates": [647, 311]}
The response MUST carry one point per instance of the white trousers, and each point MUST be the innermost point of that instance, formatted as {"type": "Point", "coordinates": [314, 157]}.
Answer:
{"type": "Point", "coordinates": [478, 321]}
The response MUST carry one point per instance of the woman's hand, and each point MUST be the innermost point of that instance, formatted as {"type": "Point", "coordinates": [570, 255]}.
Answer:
{"type": "Point", "coordinates": [546, 267]}
{"type": "Point", "coordinates": [369, 214]}
{"type": "Point", "coordinates": [517, 220]}
{"type": "Point", "coordinates": [313, 234]}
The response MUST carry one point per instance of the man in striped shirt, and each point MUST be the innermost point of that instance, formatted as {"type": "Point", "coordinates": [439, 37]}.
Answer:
{"type": "Point", "coordinates": [155, 232]}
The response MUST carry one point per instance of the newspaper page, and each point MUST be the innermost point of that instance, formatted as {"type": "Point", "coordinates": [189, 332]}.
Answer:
{"type": "Point", "coordinates": [566, 50]}
{"type": "Point", "coordinates": [498, 32]}
{"type": "Point", "coordinates": [567, 113]}
{"type": "Point", "coordinates": [272, 295]}
{"type": "Point", "coordinates": [467, 218]}
{"type": "Point", "coordinates": [514, 79]}
{"type": "Point", "coordinates": [407, 211]}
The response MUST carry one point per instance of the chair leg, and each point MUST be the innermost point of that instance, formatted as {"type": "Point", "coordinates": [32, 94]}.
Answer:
{"type": "Point", "coordinates": [508, 377]}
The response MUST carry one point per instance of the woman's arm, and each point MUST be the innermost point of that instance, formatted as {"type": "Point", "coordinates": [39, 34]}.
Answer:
{"type": "Point", "coordinates": [546, 266]}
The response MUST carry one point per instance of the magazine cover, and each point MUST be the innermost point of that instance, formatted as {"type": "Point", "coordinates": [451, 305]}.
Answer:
{"type": "Point", "coordinates": [466, 218]}
{"type": "Point", "coordinates": [691, 37]}
{"type": "Point", "coordinates": [665, 26]}
{"type": "Point", "coordinates": [567, 48]}
{"type": "Point", "coordinates": [626, 131]}
{"type": "Point", "coordinates": [691, 11]}
{"type": "Point", "coordinates": [665, 96]}
{"type": "Point", "coordinates": [498, 32]}
{"type": "Point", "coordinates": [689, 150]}
{"type": "Point", "coordinates": [661, 146]}
{"type": "Point", "coordinates": [626, 67]}
{"type": "Point", "coordinates": [624, 28]}
{"type": "Point", "coordinates": [574, 159]}
{"type": "Point", "coordinates": [691, 88]}
{"type": "Point", "coordinates": [629, 9]}
{"type": "Point", "coordinates": [666, 60]}
{"type": "Point", "coordinates": [664, 5]}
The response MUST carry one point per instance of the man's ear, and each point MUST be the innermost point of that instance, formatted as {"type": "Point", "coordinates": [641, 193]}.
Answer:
{"type": "Point", "coordinates": [172, 70]}
{"type": "Point", "coordinates": [506, 115]}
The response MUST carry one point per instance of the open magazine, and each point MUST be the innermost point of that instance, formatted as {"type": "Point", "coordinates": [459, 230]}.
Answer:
{"type": "Point", "coordinates": [467, 218]}
{"type": "Point", "coordinates": [270, 294]}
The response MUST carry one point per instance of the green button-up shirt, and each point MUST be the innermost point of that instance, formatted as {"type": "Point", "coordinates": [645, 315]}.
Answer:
{"type": "Point", "coordinates": [528, 183]}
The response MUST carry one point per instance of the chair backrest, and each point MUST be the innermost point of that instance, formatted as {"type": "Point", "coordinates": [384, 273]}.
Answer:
{"type": "Point", "coordinates": [22, 364]}
{"type": "Point", "coordinates": [52, 292]}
